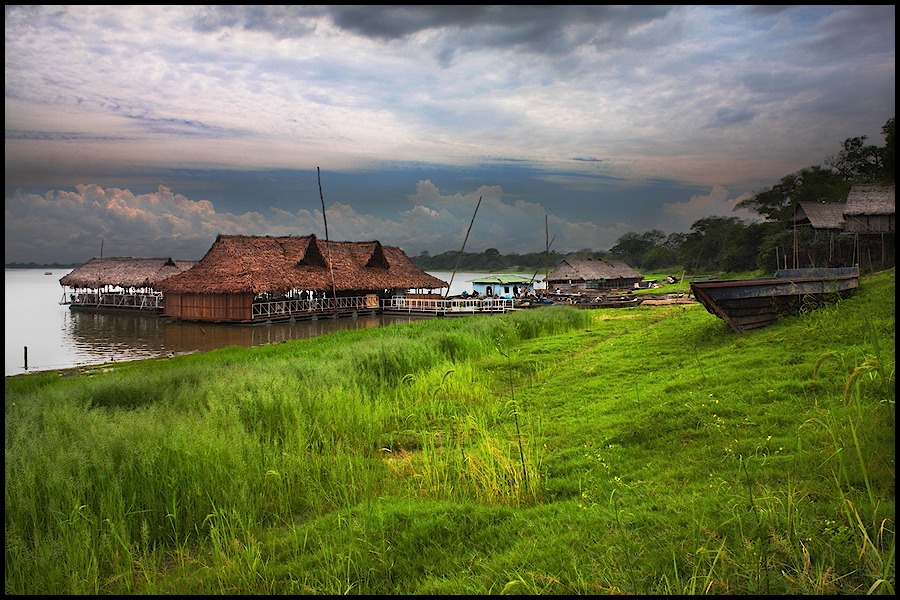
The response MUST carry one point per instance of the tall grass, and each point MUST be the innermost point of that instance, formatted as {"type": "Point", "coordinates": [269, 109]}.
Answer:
{"type": "Point", "coordinates": [558, 450]}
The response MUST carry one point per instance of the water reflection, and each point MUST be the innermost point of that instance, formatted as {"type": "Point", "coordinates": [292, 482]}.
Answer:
{"type": "Point", "coordinates": [127, 336]}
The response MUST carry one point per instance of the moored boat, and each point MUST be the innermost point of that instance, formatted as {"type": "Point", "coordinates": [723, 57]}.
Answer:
{"type": "Point", "coordinates": [746, 304]}
{"type": "Point", "coordinates": [612, 301]}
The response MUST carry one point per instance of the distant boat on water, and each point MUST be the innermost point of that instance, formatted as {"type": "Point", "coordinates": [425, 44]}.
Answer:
{"type": "Point", "coordinates": [746, 304]}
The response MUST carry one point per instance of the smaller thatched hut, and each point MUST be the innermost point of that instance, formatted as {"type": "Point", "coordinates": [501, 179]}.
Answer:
{"type": "Point", "coordinates": [119, 282]}
{"type": "Point", "coordinates": [818, 232]}
{"type": "Point", "coordinates": [820, 216]}
{"type": "Point", "coordinates": [577, 275]}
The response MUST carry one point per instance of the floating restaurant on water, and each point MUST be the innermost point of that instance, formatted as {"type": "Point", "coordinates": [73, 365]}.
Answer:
{"type": "Point", "coordinates": [258, 279]}
{"type": "Point", "coordinates": [264, 279]}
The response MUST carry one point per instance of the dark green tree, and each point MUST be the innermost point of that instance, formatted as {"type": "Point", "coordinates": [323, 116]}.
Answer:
{"type": "Point", "coordinates": [632, 247]}
{"type": "Point", "coordinates": [774, 246]}
{"type": "Point", "coordinates": [887, 164]}
{"type": "Point", "coordinates": [629, 248]}
{"type": "Point", "coordinates": [674, 241]}
{"type": "Point", "coordinates": [742, 246]}
{"type": "Point", "coordinates": [710, 242]}
{"type": "Point", "coordinates": [812, 184]}
{"type": "Point", "coordinates": [857, 161]}
{"type": "Point", "coordinates": [660, 257]}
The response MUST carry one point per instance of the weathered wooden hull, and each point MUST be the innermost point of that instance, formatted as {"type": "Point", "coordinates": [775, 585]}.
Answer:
{"type": "Point", "coordinates": [746, 304]}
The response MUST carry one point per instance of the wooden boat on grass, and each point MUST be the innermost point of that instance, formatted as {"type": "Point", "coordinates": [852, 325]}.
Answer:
{"type": "Point", "coordinates": [746, 304]}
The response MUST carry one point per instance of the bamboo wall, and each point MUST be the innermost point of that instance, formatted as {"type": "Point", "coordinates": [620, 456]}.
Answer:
{"type": "Point", "coordinates": [870, 224]}
{"type": "Point", "coordinates": [209, 307]}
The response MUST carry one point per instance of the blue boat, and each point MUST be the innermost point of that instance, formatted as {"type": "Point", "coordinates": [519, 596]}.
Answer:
{"type": "Point", "coordinates": [502, 286]}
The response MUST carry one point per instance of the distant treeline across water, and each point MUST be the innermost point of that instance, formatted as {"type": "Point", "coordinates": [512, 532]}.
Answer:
{"type": "Point", "coordinates": [492, 261]}
{"type": "Point", "coordinates": [32, 265]}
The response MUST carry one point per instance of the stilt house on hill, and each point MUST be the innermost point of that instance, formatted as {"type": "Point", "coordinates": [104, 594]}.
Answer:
{"type": "Point", "coordinates": [870, 210]}
{"type": "Point", "coordinates": [252, 279]}
{"type": "Point", "coordinates": [853, 230]}
{"type": "Point", "coordinates": [577, 275]}
{"type": "Point", "coordinates": [121, 283]}
{"type": "Point", "coordinates": [869, 215]}
{"type": "Point", "coordinates": [820, 225]}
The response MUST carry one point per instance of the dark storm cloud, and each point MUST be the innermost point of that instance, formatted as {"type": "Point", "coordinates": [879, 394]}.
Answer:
{"type": "Point", "coordinates": [541, 29]}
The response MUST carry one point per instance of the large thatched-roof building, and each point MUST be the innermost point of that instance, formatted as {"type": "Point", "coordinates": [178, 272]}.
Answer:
{"type": "Point", "coordinates": [576, 275]}
{"type": "Point", "coordinates": [260, 278]}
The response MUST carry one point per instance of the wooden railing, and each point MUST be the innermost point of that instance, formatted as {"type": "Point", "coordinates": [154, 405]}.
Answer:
{"type": "Point", "coordinates": [288, 307]}
{"type": "Point", "coordinates": [149, 301]}
{"type": "Point", "coordinates": [306, 308]}
{"type": "Point", "coordinates": [448, 306]}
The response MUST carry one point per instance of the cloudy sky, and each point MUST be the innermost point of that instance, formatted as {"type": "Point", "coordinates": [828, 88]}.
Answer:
{"type": "Point", "coordinates": [150, 130]}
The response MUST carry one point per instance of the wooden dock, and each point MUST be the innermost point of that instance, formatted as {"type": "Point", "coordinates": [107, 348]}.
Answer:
{"type": "Point", "coordinates": [293, 309]}
{"type": "Point", "coordinates": [114, 301]}
{"type": "Point", "coordinates": [446, 307]}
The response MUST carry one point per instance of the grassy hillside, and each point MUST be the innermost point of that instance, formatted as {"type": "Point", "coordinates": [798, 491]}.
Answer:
{"type": "Point", "coordinates": [646, 450]}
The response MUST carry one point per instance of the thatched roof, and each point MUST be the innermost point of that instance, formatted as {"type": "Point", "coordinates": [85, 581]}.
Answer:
{"type": "Point", "coordinates": [593, 270]}
{"type": "Point", "coordinates": [819, 215]}
{"type": "Point", "coordinates": [256, 264]}
{"type": "Point", "coordinates": [870, 199]}
{"type": "Point", "coordinates": [125, 272]}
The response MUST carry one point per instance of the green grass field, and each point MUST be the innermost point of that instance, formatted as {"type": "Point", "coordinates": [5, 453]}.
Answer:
{"type": "Point", "coordinates": [646, 450]}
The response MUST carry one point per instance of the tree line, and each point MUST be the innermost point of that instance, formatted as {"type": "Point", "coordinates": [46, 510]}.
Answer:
{"type": "Point", "coordinates": [34, 265]}
{"type": "Point", "coordinates": [729, 243]}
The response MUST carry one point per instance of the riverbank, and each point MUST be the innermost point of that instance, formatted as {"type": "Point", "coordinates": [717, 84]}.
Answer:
{"type": "Point", "coordinates": [43, 335]}
{"type": "Point", "coordinates": [646, 451]}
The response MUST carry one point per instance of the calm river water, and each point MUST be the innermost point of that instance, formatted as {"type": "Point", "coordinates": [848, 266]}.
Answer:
{"type": "Point", "coordinates": [53, 337]}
